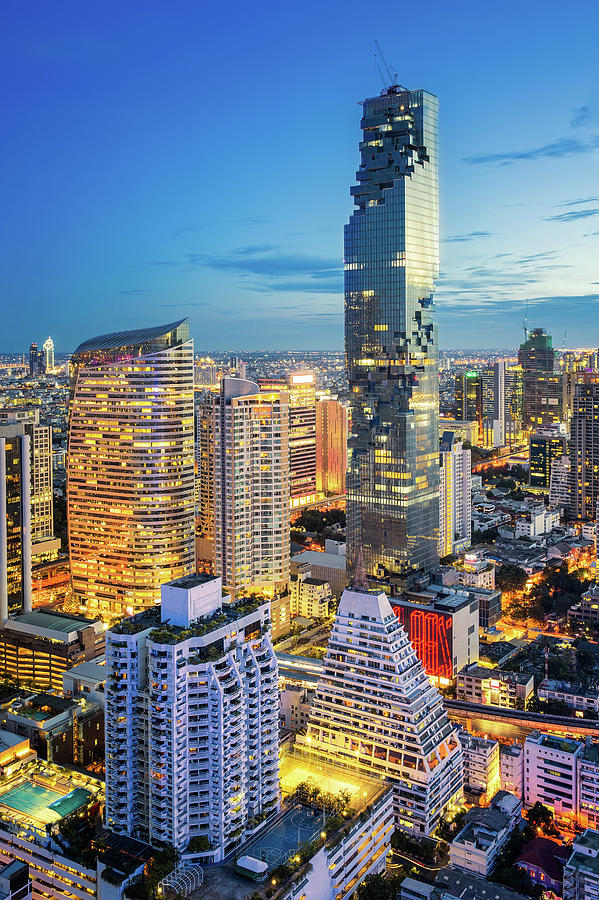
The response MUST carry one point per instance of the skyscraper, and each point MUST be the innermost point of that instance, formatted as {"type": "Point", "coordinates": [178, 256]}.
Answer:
{"type": "Point", "coordinates": [584, 448]}
{"type": "Point", "coordinates": [15, 521]}
{"type": "Point", "coordinates": [391, 263]}
{"type": "Point", "coordinates": [42, 505]}
{"type": "Point", "coordinates": [251, 487]}
{"type": "Point", "coordinates": [331, 446]}
{"type": "Point", "coordinates": [455, 497]}
{"type": "Point", "coordinates": [192, 709]}
{"type": "Point", "coordinates": [541, 383]}
{"type": "Point", "coordinates": [376, 711]}
{"type": "Point", "coordinates": [205, 405]}
{"type": "Point", "coordinates": [130, 467]}
{"type": "Point", "coordinates": [301, 390]}
{"type": "Point", "coordinates": [48, 354]}
{"type": "Point", "coordinates": [468, 397]}
{"type": "Point", "coordinates": [546, 445]}
{"type": "Point", "coordinates": [34, 359]}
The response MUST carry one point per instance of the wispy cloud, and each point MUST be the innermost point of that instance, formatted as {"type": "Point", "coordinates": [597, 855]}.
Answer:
{"type": "Point", "coordinates": [580, 116]}
{"type": "Point", "coordinates": [133, 291]}
{"type": "Point", "coordinates": [244, 221]}
{"type": "Point", "coordinates": [573, 215]}
{"type": "Point", "coordinates": [464, 238]}
{"type": "Point", "coordinates": [580, 202]}
{"type": "Point", "coordinates": [554, 150]}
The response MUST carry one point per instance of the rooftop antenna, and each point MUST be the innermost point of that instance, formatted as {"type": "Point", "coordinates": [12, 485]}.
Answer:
{"type": "Point", "coordinates": [392, 76]}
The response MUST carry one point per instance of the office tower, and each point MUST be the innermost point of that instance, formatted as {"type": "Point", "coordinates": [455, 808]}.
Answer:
{"type": "Point", "coordinates": [468, 397]}
{"type": "Point", "coordinates": [130, 467]}
{"type": "Point", "coordinates": [542, 385]}
{"type": "Point", "coordinates": [48, 355]}
{"type": "Point", "coordinates": [205, 405]}
{"type": "Point", "coordinates": [391, 263]}
{"type": "Point", "coordinates": [42, 504]}
{"type": "Point", "coordinates": [301, 389]}
{"type": "Point", "coordinates": [251, 487]}
{"type": "Point", "coordinates": [15, 520]}
{"type": "Point", "coordinates": [192, 709]}
{"type": "Point", "coordinates": [331, 446]}
{"type": "Point", "coordinates": [584, 448]}
{"type": "Point", "coordinates": [375, 710]}
{"type": "Point", "coordinates": [546, 445]}
{"type": "Point", "coordinates": [513, 399]}
{"type": "Point", "coordinates": [455, 496]}
{"type": "Point", "coordinates": [34, 359]}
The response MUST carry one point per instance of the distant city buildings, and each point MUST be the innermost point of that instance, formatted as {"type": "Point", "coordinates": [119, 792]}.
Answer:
{"type": "Point", "coordinates": [130, 467]}
{"type": "Point", "coordinates": [546, 445]}
{"type": "Point", "coordinates": [493, 687]}
{"type": "Point", "coordinates": [15, 520]}
{"type": "Point", "coordinates": [48, 351]}
{"type": "Point", "coordinates": [542, 384]}
{"type": "Point", "coordinates": [455, 497]}
{"type": "Point", "coordinates": [375, 711]}
{"type": "Point", "coordinates": [251, 487]}
{"type": "Point", "coordinates": [192, 754]}
{"type": "Point", "coordinates": [391, 264]}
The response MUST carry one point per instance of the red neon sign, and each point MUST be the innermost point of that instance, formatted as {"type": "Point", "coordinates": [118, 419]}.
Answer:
{"type": "Point", "coordinates": [430, 634]}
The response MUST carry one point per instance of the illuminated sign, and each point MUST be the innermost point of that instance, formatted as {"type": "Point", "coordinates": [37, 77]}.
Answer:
{"type": "Point", "coordinates": [302, 379]}
{"type": "Point", "coordinates": [430, 634]}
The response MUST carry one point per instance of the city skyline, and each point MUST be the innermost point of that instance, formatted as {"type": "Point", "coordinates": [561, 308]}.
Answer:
{"type": "Point", "coordinates": [110, 208]}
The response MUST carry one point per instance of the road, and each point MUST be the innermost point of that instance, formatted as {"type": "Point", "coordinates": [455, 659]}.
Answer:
{"type": "Point", "coordinates": [515, 723]}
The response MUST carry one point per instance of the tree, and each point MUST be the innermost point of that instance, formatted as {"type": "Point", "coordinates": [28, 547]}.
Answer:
{"type": "Point", "coordinates": [540, 816]}
{"type": "Point", "coordinates": [510, 578]}
{"type": "Point", "coordinates": [381, 887]}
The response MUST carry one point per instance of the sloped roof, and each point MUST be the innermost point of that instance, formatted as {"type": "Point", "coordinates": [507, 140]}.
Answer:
{"type": "Point", "coordinates": [546, 855]}
{"type": "Point", "coordinates": [127, 338]}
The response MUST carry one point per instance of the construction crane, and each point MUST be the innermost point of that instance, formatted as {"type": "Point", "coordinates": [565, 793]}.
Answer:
{"type": "Point", "coordinates": [392, 76]}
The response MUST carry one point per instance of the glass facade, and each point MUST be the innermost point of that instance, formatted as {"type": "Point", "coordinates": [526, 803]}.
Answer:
{"type": "Point", "coordinates": [391, 263]}
{"type": "Point", "coordinates": [130, 468]}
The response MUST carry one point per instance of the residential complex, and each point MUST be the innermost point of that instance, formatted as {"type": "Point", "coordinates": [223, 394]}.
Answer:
{"type": "Point", "coordinates": [494, 687]}
{"type": "Point", "coordinates": [251, 487]}
{"type": "Point", "coordinates": [192, 718]}
{"type": "Point", "coordinates": [331, 446]}
{"type": "Point", "coordinates": [481, 766]}
{"type": "Point", "coordinates": [375, 711]}
{"type": "Point", "coordinates": [390, 339]}
{"type": "Point", "coordinates": [550, 772]}
{"type": "Point", "coordinates": [455, 497]}
{"type": "Point", "coordinates": [485, 833]}
{"type": "Point", "coordinates": [130, 467]}
{"type": "Point", "coordinates": [584, 449]}
{"type": "Point", "coordinates": [15, 520]}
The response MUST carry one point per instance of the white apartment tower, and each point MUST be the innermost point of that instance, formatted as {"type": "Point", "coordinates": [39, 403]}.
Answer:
{"type": "Point", "coordinates": [251, 487]}
{"type": "Point", "coordinates": [376, 711]}
{"type": "Point", "coordinates": [192, 708]}
{"type": "Point", "coordinates": [455, 497]}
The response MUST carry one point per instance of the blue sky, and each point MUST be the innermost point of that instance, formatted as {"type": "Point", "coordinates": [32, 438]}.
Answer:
{"type": "Point", "coordinates": [176, 159]}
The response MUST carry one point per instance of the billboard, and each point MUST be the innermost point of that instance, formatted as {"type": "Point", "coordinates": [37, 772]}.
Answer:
{"type": "Point", "coordinates": [431, 635]}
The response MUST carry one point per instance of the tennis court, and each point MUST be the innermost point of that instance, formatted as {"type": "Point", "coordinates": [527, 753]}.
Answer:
{"type": "Point", "coordinates": [281, 840]}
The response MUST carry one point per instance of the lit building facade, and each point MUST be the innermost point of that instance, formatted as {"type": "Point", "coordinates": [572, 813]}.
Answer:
{"type": "Point", "coordinates": [48, 351]}
{"type": "Point", "coordinates": [546, 445]}
{"type": "Point", "coordinates": [468, 397]}
{"type": "Point", "coordinates": [376, 711]}
{"type": "Point", "coordinates": [584, 449]}
{"type": "Point", "coordinates": [251, 487]}
{"type": "Point", "coordinates": [331, 446]}
{"type": "Point", "coordinates": [205, 405]}
{"type": "Point", "coordinates": [15, 520]}
{"type": "Point", "coordinates": [42, 505]}
{"type": "Point", "coordinates": [391, 263]}
{"type": "Point", "coordinates": [300, 388]}
{"type": "Point", "coordinates": [455, 497]}
{"type": "Point", "coordinates": [192, 709]}
{"type": "Point", "coordinates": [130, 467]}
{"type": "Point", "coordinates": [541, 383]}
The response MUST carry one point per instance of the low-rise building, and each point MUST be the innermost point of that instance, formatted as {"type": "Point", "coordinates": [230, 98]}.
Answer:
{"type": "Point", "coordinates": [37, 648]}
{"type": "Point", "coordinates": [575, 696]}
{"type": "Point", "coordinates": [310, 597]}
{"type": "Point", "coordinates": [485, 833]}
{"type": "Point", "coordinates": [329, 566]}
{"type": "Point", "coordinates": [511, 769]}
{"type": "Point", "coordinates": [455, 884]}
{"type": "Point", "coordinates": [280, 615]}
{"type": "Point", "coordinates": [551, 772]}
{"type": "Point", "coordinates": [494, 687]}
{"type": "Point", "coordinates": [581, 872]}
{"type": "Point", "coordinates": [489, 601]}
{"type": "Point", "coordinates": [588, 785]}
{"type": "Point", "coordinates": [481, 765]}
{"type": "Point", "coordinates": [15, 883]}
{"type": "Point", "coordinates": [536, 521]}
{"type": "Point", "coordinates": [586, 611]}
{"type": "Point", "coordinates": [543, 860]}
{"type": "Point", "coordinates": [294, 708]}
{"type": "Point", "coordinates": [475, 570]}
{"type": "Point", "coordinates": [60, 730]}
{"type": "Point", "coordinates": [87, 680]}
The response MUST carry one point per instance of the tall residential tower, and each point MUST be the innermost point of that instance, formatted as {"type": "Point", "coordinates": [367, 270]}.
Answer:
{"type": "Point", "coordinates": [391, 263]}
{"type": "Point", "coordinates": [130, 467]}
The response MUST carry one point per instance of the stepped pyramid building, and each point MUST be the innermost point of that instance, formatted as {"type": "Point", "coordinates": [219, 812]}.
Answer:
{"type": "Point", "coordinates": [376, 711]}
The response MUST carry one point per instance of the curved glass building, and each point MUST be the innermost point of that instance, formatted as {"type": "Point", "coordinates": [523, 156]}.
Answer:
{"type": "Point", "coordinates": [130, 467]}
{"type": "Point", "coordinates": [391, 263]}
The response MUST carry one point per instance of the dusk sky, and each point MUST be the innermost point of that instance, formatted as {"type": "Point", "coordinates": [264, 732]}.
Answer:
{"type": "Point", "coordinates": [169, 159]}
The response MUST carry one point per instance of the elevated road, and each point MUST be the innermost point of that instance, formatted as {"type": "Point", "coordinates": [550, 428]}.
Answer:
{"type": "Point", "coordinates": [516, 723]}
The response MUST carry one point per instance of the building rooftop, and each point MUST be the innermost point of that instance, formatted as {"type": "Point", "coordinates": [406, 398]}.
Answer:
{"type": "Point", "coordinates": [117, 339]}
{"type": "Point", "coordinates": [190, 581]}
{"type": "Point", "coordinates": [475, 671]}
{"type": "Point", "coordinates": [545, 854]}
{"type": "Point", "coordinates": [466, 886]}
{"type": "Point", "coordinates": [553, 742]}
{"type": "Point", "coordinates": [48, 621]}
{"type": "Point", "coordinates": [88, 671]}
{"type": "Point", "coordinates": [315, 558]}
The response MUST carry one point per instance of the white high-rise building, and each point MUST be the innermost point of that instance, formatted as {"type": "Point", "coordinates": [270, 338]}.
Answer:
{"type": "Point", "coordinates": [376, 711]}
{"type": "Point", "coordinates": [192, 709]}
{"type": "Point", "coordinates": [48, 350]}
{"type": "Point", "coordinates": [455, 497]}
{"type": "Point", "coordinates": [251, 487]}
{"type": "Point", "coordinates": [559, 482]}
